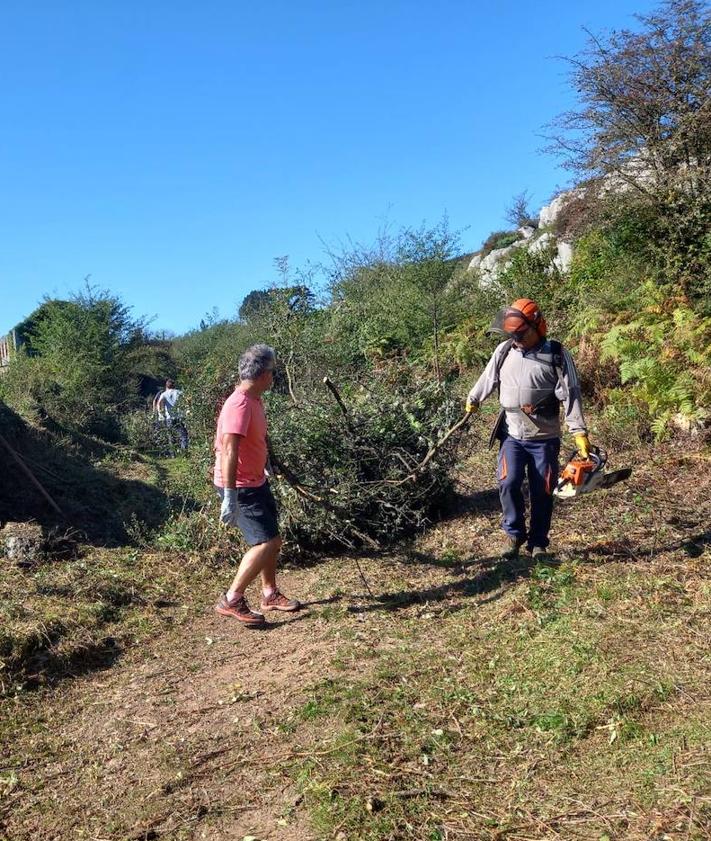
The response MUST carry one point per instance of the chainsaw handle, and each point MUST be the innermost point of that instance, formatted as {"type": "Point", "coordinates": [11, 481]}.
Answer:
{"type": "Point", "coordinates": [596, 454]}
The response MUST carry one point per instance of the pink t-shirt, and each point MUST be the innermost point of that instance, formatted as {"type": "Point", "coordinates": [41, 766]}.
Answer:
{"type": "Point", "coordinates": [243, 415]}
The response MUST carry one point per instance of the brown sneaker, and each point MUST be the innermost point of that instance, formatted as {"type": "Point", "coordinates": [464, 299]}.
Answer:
{"type": "Point", "coordinates": [278, 601]}
{"type": "Point", "coordinates": [240, 611]}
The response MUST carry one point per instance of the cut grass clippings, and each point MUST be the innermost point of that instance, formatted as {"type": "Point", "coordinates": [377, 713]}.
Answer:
{"type": "Point", "coordinates": [468, 699]}
{"type": "Point", "coordinates": [547, 716]}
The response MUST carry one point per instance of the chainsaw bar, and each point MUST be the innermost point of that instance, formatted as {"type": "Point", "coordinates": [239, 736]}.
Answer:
{"type": "Point", "coordinates": [615, 476]}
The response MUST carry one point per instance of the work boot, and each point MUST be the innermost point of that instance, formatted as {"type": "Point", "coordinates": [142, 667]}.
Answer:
{"type": "Point", "coordinates": [510, 548]}
{"type": "Point", "coordinates": [538, 553]}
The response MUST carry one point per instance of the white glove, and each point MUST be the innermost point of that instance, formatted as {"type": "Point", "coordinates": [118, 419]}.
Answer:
{"type": "Point", "coordinates": [228, 509]}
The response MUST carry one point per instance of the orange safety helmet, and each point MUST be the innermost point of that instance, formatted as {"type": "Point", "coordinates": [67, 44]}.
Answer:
{"type": "Point", "coordinates": [521, 314]}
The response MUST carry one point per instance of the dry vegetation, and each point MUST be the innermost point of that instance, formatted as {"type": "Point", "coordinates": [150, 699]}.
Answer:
{"type": "Point", "coordinates": [468, 699]}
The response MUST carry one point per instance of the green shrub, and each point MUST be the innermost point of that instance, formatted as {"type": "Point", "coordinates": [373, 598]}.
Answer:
{"type": "Point", "coordinates": [77, 363]}
{"type": "Point", "coordinates": [610, 264]}
{"type": "Point", "coordinates": [137, 429]}
{"type": "Point", "coordinates": [664, 356]}
{"type": "Point", "coordinates": [194, 531]}
{"type": "Point", "coordinates": [499, 239]}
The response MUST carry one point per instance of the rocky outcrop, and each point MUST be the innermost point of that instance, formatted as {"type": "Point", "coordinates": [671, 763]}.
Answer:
{"type": "Point", "coordinates": [535, 241]}
{"type": "Point", "coordinates": [22, 543]}
{"type": "Point", "coordinates": [490, 265]}
{"type": "Point", "coordinates": [543, 242]}
{"type": "Point", "coordinates": [564, 257]}
{"type": "Point", "coordinates": [26, 544]}
{"type": "Point", "coordinates": [549, 213]}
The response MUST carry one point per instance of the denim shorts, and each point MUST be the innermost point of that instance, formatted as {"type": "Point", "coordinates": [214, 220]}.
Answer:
{"type": "Point", "coordinates": [257, 516]}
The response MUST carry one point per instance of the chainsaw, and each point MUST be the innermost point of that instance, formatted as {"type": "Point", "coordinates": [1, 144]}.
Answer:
{"type": "Point", "coordinates": [583, 475]}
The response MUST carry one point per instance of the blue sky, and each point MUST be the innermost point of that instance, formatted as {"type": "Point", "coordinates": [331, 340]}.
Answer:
{"type": "Point", "coordinates": [172, 150]}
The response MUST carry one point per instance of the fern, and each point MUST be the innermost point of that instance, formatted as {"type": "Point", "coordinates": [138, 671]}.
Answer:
{"type": "Point", "coordinates": [660, 425]}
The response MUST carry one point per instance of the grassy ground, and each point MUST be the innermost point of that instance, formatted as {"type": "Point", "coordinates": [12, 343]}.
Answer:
{"type": "Point", "coordinates": [466, 699]}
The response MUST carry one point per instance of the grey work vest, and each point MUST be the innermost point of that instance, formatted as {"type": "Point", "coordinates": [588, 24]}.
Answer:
{"type": "Point", "coordinates": [528, 383]}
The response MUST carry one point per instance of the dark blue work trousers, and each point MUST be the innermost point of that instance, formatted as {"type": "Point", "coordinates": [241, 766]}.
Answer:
{"type": "Point", "coordinates": [539, 461]}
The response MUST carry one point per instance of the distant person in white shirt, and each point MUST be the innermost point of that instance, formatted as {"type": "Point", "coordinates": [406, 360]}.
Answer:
{"type": "Point", "coordinates": [166, 404]}
{"type": "Point", "coordinates": [168, 410]}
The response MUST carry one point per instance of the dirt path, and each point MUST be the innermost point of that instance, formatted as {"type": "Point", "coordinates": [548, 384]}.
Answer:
{"type": "Point", "coordinates": [189, 737]}
{"type": "Point", "coordinates": [130, 749]}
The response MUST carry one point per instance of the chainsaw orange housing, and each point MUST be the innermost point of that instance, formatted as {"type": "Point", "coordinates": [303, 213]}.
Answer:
{"type": "Point", "coordinates": [576, 470]}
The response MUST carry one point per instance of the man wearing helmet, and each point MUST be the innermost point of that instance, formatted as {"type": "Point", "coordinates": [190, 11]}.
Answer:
{"type": "Point", "coordinates": [534, 375]}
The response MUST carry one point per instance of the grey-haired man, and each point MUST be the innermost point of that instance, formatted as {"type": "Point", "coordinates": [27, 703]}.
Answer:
{"type": "Point", "coordinates": [240, 479]}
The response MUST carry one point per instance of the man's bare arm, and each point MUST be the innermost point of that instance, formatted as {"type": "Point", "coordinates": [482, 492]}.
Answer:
{"type": "Point", "coordinates": [228, 459]}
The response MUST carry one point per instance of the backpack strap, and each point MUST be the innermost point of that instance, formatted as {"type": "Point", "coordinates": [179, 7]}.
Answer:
{"type": "Point", "coordinates": [502, 358]}
{"type": "Point", "coordinates": [498, 433]}
{"type": "Point", "coordinates": [557, 354]}
{"type": "Point", "coordinates": [551, 404]}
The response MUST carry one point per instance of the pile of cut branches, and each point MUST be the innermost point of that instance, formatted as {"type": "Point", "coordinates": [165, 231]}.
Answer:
{"type": "Point", "coordinates": [363, 464]}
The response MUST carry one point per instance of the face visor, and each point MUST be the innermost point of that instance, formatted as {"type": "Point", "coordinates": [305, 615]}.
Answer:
{"type": "Point", "coordinates": [512, 323]}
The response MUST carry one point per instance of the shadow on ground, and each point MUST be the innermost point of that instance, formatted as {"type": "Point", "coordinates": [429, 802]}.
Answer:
{"type": "Point", "coordinates": [613, 550]}
{"type": "Point", "coordinates": [94, 503]}
{"type": "Point", "coordinates": [47, 668]}
{"type": "Point", "coordinates": [479, 502]}
{"type": "Point", "coordinates": [493, 577]}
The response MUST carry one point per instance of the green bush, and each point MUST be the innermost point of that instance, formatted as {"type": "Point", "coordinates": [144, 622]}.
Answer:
{"type": "Point", "coordinates": [137, 429]}
{"type": "Point", "coordinates": [499, 239]}
{"type": "Point", "coordinates": [610, 264]}
{"type": "Point", "coordinates": [625, 420]}
{"type": "Point", "coordinates": [195, 531]}
{"type": "Point", "coordinates": [77, 364]}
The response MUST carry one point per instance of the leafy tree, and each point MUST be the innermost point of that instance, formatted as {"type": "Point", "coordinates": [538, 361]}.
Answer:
{"type": "Point", "coordinates": [80, 365]}
{"type": "Point", "coordinates": [372, 311]}
{"type": "Point", "coordinates": [397, 297]}
{"type": "Point", "coordinates": [644, 114]}
{"type": "Point", "coordinates": [281, 315]}
{"type": "Point", "coordinates": [643, 125]}
{"type": "Point", "coordinates": [207, 361]}
{"type": "Point", "coordinates": [428, 260]}
{"type": "Point", "coordinates": [253, 304]}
